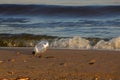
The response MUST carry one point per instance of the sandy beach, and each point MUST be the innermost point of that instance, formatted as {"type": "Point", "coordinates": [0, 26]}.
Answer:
{"type": "Point", "coordinates": [59, 64]}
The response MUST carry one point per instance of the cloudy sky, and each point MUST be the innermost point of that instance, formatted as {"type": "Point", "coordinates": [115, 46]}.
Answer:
{"type": "Point", "coordinates": [63, 2]}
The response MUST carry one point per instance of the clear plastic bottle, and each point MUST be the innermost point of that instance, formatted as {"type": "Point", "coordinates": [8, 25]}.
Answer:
{"type": "Point", "coordinates": [40, 48]}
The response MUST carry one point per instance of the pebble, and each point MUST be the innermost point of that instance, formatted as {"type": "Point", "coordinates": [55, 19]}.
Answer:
{"type": "Point", "coordinates": [23, 78]}
{"type": "Point", "coordinates": [110, 79]}
{"type": "Point", "coordinates": [64, 64]}
{"type": "Point", "coordinates": [96, 77]}
{"type": "Point", "coordinates": [24, 61]}
{"type": "Point", "coordinates": [92, 61]}
{"type": "Point", "coordinates": [20, 78]}
{"type": "Point", "coordinates": [1, 61]}
{"type": "Point", "coordinates": [11, 60]}
{"type": "Point", "coordinates": [10, 72]}
{"type": "Point", "coordinates": [17, 52]}
{"type": "Point", "coordinates": [49, 57]}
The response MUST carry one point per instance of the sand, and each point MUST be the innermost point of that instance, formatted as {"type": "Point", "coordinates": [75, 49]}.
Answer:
{"type": "Point", "coordinates": [59, 64]}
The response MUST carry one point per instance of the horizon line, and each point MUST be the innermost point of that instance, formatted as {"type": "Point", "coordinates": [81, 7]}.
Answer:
{"type": "Point", "coordinates": [60, 4]}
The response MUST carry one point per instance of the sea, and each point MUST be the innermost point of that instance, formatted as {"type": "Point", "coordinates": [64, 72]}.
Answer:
{"type": "Point", "coordinates": [73, 22]}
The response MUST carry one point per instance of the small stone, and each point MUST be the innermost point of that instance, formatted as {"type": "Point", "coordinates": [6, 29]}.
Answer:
{"type": "Point", "coordinates": [64, 64]}
{"type": "Point", "coordinates": [49, 57]}
{"type": "Point", "coordinates": [96, 77]}
{"type": "Point", "coordinates": [1, 61]}
{"type": "Point", "coordinates": [23, 78]}
{"type": "Point", "coordinates": [24, 61]}
{"type": "Point", "coordinates": [92, 61]}
{"type": "Point", "coordinates": [10, 72]}
{"type": "Point", "coordinates": [110, 79]}
{"type": "Point", "coordinates": [18, 53]}
{"type": "Point", "coordinates": [40, 56]}
{"type": "Point", "coordinates": [11, 60]}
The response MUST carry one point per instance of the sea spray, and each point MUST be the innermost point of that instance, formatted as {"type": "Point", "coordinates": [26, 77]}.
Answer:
{"type": "Point", "coordinates": [72, 43]}
{"type": "Point", "coordinates": [78, 42]}
{"type": "Point", "coordinates": [75, 42]}
{"type": "Point", "coordinates": [115, 42]}
{"type": "Point", "coordinates": [103, 45]}
{"type": "Point", "coordinates": [81, 43]}
{"type": "Point", "coordinates": [111, 44]}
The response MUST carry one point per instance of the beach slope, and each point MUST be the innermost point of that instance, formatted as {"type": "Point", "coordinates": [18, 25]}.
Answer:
{"type": "Point", "coordinates": [59, 64]}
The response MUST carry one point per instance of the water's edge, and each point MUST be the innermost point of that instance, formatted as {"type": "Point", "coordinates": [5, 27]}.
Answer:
{"type": "Point", "coordinates": [76, 42]}
{"type": "Point", "coordinates": [29, 40]}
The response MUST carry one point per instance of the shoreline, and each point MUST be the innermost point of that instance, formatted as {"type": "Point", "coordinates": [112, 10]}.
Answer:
{"type": "Point", "coordinates": [29, 40]}
{"type": "Point", "coordinates": [31, 48]}
{"type": "Point", "coordinates": [75, 42]}
{"type": "Point", "coordinates": [59, 64]}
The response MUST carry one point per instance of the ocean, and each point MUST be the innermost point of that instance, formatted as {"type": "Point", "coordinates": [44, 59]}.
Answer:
{"type": "Point", "coordinates": [101, 22]}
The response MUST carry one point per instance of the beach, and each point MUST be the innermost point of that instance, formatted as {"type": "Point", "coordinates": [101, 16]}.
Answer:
{"type": "Point", "coordinates": [59, 64]}
{"type": "Point", "coordinates": [84, 41]}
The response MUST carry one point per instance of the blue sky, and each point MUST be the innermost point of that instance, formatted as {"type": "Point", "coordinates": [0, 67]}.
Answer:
{"type": "Point", "coordinates": [63, 2]}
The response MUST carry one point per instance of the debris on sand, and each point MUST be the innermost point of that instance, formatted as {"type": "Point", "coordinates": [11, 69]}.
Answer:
{"type": "Point", "coordinates": [40, 48]}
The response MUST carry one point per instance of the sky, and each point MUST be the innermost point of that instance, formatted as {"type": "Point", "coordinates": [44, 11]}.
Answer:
{"type": "Point", "coordinates": [63, 2]}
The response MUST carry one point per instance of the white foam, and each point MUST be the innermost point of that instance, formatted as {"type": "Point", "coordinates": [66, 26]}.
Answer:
{"type": "Point", "coordinates": [81, 43]}
{"type": "Point", "coordinates": [74, 43]}
{"type": "Point", "coordinates": [103, 45]}
{"type": "Point", "coordinates": [111, 44]}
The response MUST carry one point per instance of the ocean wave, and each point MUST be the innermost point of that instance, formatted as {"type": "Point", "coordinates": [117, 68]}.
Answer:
{"type": "Point", "coordinates": [29, 22]}
{"type": "Point", "coordinates": [12, 20]}
{"type": "Point", "coordinates": [22, 40]}
{"type": "Point", "coordinates": [81, 43]}
{"type": "Point", "coordinates": [111, 44]}
{"type": "Point", "coordinates": [76, 42]}
{"type": "Point", "coordinates": [73, 43]}
{"type": "Point", "coordinates": [56, 10]}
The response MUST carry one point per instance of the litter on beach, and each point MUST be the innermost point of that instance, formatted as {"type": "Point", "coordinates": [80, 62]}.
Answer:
{"type": "Point", "coordinates": [40, 48]}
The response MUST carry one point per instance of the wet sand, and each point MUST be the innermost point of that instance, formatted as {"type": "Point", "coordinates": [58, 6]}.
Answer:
{"type": "Point", "coordinates": [59, 64]}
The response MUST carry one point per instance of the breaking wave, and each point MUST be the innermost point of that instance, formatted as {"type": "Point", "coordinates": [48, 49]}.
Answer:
{"type": "Point", "coordinates": [111, 44]}
{"type": "Point", "coordinates": [82, 43]}
{"type": "Point", "coordinates": [57, 10]}
{"type": "Point", "coordinates": [76, 42]}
